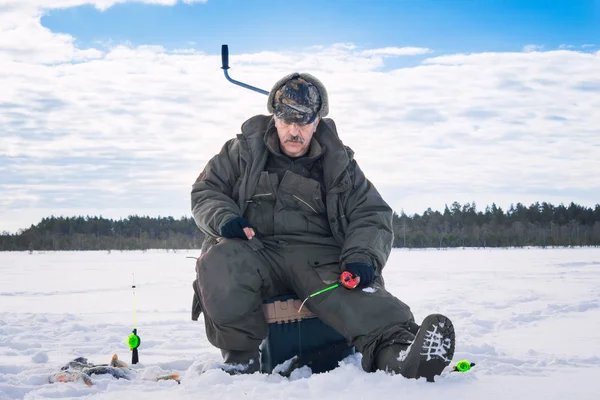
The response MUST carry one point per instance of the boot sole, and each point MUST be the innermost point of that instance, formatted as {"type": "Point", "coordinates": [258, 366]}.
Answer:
{"type": "Point", "coordinates": [432, 349]}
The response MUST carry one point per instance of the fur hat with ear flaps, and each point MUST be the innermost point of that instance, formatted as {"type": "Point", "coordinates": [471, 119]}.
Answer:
{"type": "Point", "coordinates": [276, 94]}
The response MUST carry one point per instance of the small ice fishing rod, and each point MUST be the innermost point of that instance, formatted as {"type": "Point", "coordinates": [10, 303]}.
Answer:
{"type": "Point", "coordinates": [133, 340]}
{"type": "Point", "coordinates": [347, 280]}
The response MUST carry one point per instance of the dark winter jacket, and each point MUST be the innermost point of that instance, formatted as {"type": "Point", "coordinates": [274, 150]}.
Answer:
{"type": "Point", "coordinates": [360, 220]}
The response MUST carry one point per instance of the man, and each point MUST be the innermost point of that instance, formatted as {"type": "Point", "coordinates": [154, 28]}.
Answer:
{"type": "Point", "coordinates": [286, 208]}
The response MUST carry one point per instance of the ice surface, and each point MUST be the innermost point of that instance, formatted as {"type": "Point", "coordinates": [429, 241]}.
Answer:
{"type": "Point", "coordinates": [529, 319]}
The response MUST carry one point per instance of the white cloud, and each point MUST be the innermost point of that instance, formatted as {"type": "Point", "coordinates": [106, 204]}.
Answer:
{"type": "Point", "coordinates": [127, 129]}
{"type": "Point", "coordinates": [24, 39]}
{"type": "Point", "coordinates": [396, 51]}
{"type": "Point", "coordinates": [99, 4]}
{"type": "Point", "coordinates": [533, 47]}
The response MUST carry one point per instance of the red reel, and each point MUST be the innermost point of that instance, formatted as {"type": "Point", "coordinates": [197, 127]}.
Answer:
{"type": "Point", "coordinates": [348, 281]}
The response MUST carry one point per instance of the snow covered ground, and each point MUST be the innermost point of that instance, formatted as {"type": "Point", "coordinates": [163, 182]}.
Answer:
{"type": "Point", "coordinates": [529, 319]}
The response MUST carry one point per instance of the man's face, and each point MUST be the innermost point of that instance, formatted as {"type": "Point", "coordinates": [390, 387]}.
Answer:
{"type": "Point", "coordinates": [294, 138]}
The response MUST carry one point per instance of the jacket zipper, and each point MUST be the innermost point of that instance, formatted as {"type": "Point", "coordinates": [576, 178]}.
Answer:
{"type": "Point", "coordinates": [304, 202]}
{"type": "Point", "coordinates": [258, 195]}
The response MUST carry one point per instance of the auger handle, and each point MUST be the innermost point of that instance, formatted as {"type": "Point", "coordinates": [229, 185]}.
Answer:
{"type": "Point", "coordinates": [225, 56]}
{"type": "Point", "coordinates": [225, 67]}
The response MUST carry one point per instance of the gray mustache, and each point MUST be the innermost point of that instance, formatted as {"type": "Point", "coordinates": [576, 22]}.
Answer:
{"type": "Point", "coordinates": [298, 139]}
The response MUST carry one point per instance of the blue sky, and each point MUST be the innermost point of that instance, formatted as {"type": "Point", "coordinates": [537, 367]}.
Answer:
{"type": "Point", "coordinates": [116, 112]}
{"type": "Point", "coordinates": [249, 26]}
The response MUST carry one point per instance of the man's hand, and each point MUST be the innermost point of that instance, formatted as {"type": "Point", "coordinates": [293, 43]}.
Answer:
{"type": "Point", "coordinates": [238, 228]}
{"type": "Point", "coordinates": [365, 273]}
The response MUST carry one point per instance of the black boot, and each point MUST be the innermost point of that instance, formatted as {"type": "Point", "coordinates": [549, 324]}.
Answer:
{"type": "Point", "coordinates": [430, 352]}
{"type": "Point", "coordinates": [240, 361]}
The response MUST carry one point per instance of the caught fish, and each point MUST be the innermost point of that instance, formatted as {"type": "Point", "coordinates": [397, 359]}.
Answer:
{"type": "Point", "coordinates": [115, 362]}
{"type": "Point", "coordinates": [80, 370]}
{"type": "Point", "coordinates": [70, 376]}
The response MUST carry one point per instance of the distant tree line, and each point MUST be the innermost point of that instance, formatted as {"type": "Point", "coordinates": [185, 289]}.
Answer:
{"type": "Point", "coordinates": [98, 233]}
{"type": "Point", "coordinates": [464, 226]}
{"type": "Point", "coordinates": [457, 226]}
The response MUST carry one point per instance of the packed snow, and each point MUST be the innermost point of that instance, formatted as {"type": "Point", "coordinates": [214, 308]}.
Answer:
{"type": "Point", "coordinates": [528, 318]}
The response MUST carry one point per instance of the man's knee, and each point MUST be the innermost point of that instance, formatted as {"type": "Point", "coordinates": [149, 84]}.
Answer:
{"type": "Point", "coordinates": [221, 253]}
{"type": "Point", "coordinates": [231, 260]}
{"type": "Point", "coordinates": [229, 281]}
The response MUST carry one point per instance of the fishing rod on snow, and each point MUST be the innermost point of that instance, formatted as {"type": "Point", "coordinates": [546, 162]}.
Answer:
{"type": "Point", "coordinates": [133, 340]}
{"type": "Point", "coordinates": [225, 67]}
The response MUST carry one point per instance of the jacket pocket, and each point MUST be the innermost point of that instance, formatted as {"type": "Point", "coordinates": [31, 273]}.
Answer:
{"type": "Point", "coordinates": [327, 266]}
{"type": "Point", "coordinates": [305, 204]}
{"type": "Point", "coordinates": [302, 194]}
